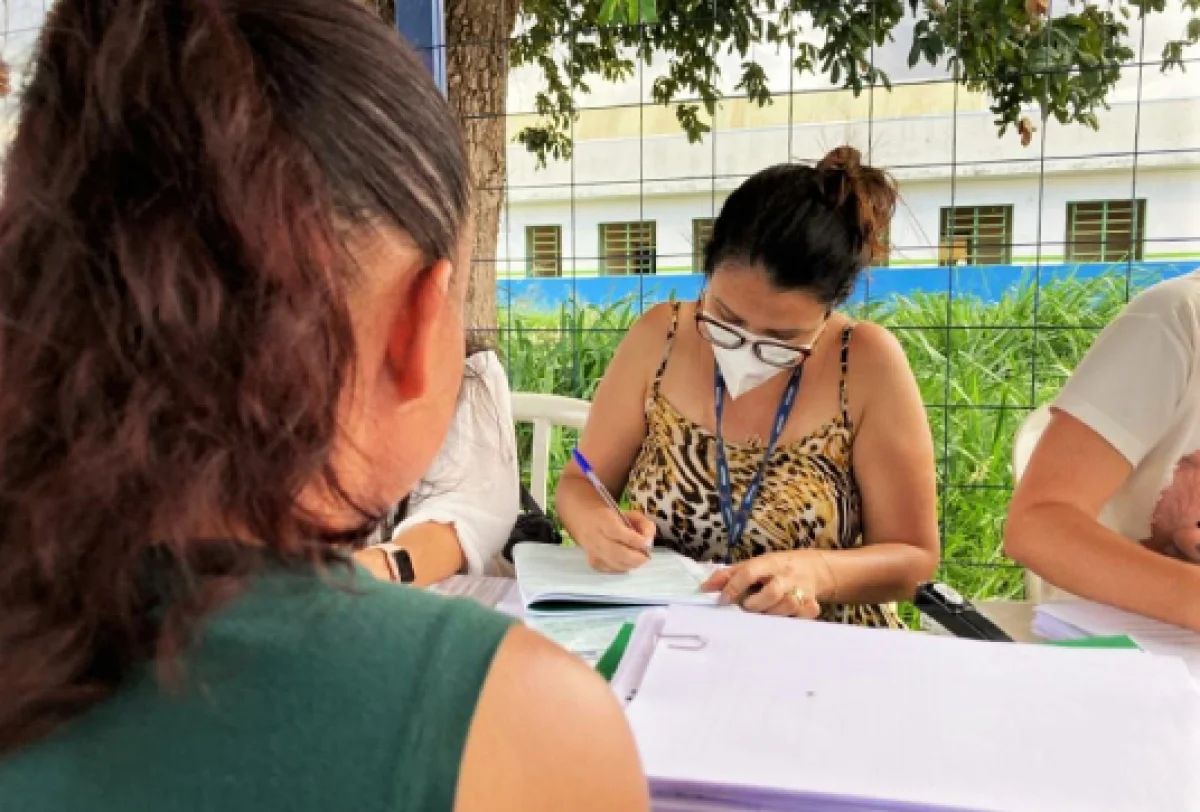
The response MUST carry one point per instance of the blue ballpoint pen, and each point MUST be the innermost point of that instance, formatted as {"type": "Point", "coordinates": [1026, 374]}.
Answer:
{"type": "Point", "coordinates": [586, 468]}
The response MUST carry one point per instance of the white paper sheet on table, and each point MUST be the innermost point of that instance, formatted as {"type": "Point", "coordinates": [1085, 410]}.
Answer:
{"type": "Point", "coordinates": [511, 604]}
{"type": "Point", "coordinates": [487, 590]}
{"type": "Point", "coordinates": [1071, 620]}
{"type": "Point", "coordinates": [587, 634]}
{"type": "Point", "coordinates": [787, 715]}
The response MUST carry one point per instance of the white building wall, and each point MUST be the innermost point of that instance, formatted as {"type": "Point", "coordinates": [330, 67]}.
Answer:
{"type": "Point", "coordinates": [1148, 145]}
{"type": "Point", "coordinates": [1172, 225]}
{"type": "Point", "coordinates": [1158, 132]}
{"type": "Point", "coordinates": [581, 229]}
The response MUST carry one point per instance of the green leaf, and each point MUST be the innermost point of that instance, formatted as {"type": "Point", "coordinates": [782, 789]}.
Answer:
{"type": "Point", "coordinates": [649, 11]}
{"type": "Point", "coordinates": [914, 53]}
{"type": "Point", "coordinates": [609, 10]}
{"type": "Point", "coordinates": [930, 51]}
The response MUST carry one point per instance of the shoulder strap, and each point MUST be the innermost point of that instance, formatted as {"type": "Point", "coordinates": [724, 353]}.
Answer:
{"type": "Point", "coordinates": [666, 356]}
{"type": "Point", "coordinates": [529, 504]}
{"type": "Point", "coordinates": [392, 520]}
{"type": "Point", "coordinates": [845, 403]}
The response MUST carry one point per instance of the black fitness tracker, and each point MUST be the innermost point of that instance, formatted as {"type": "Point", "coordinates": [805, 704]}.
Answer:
{"type": "Point", "coordinates": [399, 562]}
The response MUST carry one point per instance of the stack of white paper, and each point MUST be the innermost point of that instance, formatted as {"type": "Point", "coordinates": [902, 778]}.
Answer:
{"type": "Point", "coordinates": [736, 711]}
{"type": "Point", "coordinates": [1072, 620]}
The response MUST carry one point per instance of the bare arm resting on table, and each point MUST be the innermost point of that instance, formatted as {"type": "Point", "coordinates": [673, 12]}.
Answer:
{"type": "Point", "coordinates": [894, 470]}
{"type": "Point", "coordinates": [1053, 529]}
{"type": "Point", "coordinates": [548, 735]}
{"type": "Point", "coordinates": [464, 509]}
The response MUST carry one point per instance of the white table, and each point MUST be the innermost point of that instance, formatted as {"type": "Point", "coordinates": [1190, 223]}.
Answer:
{"type": "Point", "coordinates": [1015, 618]}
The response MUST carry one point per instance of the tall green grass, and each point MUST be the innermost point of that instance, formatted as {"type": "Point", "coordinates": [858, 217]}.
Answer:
{"type": "Point", "coordinates": [981, 366]}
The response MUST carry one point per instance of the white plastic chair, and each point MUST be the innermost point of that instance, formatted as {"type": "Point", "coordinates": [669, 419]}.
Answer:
{"type": "Point", "coordinates": [545, 412]}
{"type": "Point", "coordinates": [1024, 442]}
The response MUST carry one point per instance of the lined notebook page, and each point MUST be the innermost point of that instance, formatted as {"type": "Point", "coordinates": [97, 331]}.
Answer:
{"type": "Point", "coordinates": [584, 634]}
{"type": "Point", "coordinates": [551, 573]}
{"type": "Point", "coordinates": [871, 716]}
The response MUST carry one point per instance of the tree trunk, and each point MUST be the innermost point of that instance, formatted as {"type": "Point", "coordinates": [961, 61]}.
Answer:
{"type": "Point", "coordinates": [477, 38]}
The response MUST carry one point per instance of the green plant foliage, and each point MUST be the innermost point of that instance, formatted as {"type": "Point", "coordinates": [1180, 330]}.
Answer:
{"type": "Point", "coordinates": [981, 367]}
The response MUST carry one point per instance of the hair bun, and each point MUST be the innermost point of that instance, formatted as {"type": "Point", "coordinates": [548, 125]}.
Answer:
{"type": "Point", "coordinates": [865, 195]}
{"type": "Point", "coordinates": [841, 159]}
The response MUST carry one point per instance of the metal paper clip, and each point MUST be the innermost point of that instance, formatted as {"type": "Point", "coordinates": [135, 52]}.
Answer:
{"type": "Point", "coordinates": [684, 642]}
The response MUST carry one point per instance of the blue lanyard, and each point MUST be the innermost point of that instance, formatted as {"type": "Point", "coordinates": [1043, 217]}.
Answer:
{"type": "Point", "coordinates": [735, 524]}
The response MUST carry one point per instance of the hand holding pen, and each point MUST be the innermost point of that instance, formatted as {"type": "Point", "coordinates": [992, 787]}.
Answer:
{"type": "Point", "coordinates": [615, 541]}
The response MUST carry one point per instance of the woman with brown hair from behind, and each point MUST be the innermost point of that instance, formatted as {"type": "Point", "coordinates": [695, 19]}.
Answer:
{"type": "Point", "coordinates": [231, 339]}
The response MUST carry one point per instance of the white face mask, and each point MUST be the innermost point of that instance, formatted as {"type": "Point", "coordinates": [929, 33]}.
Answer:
{"type": "Point", "coordinates": [742, 369]}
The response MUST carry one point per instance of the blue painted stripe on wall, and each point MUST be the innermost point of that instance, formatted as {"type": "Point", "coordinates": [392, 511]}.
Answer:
{"type": "Point", "coordinates": [986, 282]}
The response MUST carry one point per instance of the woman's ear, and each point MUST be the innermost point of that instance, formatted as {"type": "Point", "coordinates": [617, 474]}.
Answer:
{"type": "Point", "coordinates": [412, 350]}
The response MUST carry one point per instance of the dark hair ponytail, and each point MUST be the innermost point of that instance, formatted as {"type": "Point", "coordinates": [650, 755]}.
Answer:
{"type": "Point", "coordinates": [811, 228]}
{"type": "Point", "coordinates": [864, 196]}
{"type": "Point", "coordinates": [176, 337]}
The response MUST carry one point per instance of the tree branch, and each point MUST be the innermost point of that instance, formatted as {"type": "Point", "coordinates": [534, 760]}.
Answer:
{"type": "Point", "coordinates": [1009, 49]}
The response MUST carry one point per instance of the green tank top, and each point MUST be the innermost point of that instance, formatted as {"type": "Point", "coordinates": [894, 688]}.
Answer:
{"type": "Point", "coordinates": [301, 695]}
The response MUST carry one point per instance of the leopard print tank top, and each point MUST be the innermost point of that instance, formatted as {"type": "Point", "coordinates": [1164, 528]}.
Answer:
{"type": "Point", "coordinates": [808, 497]}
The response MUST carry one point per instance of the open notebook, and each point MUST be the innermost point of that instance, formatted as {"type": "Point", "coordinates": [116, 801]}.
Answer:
{"type": "Point", "coordinates": [739, 711]}
{"type": "Point", "coordinates": [557, 579]}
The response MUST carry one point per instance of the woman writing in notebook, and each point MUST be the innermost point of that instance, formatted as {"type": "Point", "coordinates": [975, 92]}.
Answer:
{"type": "Point", "coordinates": [234, 237]}
{"type": "Point", "coordinates": [1108, 506]}
{"type": "Point", "coordinates": [759, 427]}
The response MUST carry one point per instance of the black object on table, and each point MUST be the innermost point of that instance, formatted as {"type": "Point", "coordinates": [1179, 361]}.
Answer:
{"type": "Point", "coordinates": [957, 615]}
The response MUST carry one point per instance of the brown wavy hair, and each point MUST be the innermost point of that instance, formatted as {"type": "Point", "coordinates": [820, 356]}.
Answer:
{"type": "Point", "coordinates": [174, 327]}
{"type": "Point", "coordinates": [812, 228]}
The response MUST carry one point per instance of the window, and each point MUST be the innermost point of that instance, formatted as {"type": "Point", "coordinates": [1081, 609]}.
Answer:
{"type": "Point", "coordinates": [628, 248]}
{"type": "Point", "coordinates": [702, 229]}
{"type": "Point", "coordinates": [543, 250]}
{"type": "Point", "coordinates": [1105, 230]}
{"type": "Point", "coordinates": [976, 235]}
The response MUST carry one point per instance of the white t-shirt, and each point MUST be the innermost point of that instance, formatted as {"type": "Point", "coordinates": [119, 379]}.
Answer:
{"type": "Point", "coordinates": [1139, 389]}
{"type": "Point", "coordinates": [474, 483]}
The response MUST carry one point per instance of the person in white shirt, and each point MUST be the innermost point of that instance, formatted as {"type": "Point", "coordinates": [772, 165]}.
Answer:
{"type": "Point", "coordinates": [462, 513]}
{"type": "Point", "coordinates": [1081, 514]}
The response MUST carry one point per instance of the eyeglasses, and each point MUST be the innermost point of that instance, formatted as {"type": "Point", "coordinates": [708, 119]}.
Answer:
{"type": "Point", "coordinates": [776, 353]}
